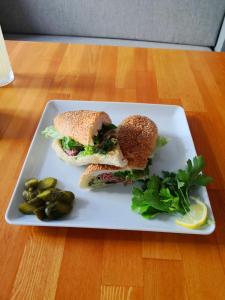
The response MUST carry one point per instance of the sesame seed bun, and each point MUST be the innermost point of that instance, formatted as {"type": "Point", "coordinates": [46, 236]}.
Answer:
{"type": "Point", "coordinates": [137, 137]}
{"type": "Point", "coordinates": [81, 125]}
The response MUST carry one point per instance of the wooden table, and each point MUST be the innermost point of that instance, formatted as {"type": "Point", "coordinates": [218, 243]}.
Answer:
{"type": "Point", "coordinates": [57, 263]}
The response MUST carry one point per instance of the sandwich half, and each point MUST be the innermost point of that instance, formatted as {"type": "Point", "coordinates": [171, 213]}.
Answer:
{"type": "Point", "coordinates": [85, 137]}
{"type": "Point", "coordinates": [137, 136]}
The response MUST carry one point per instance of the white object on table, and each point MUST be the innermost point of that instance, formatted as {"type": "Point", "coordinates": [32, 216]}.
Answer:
{"type": "Point", "coordinates": [6, 73]}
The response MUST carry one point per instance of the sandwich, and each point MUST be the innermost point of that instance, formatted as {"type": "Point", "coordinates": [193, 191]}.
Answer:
{"type": "Point", "coordinates": [85, 137]}
{"type": "Point", "coordinates": [137, 137]}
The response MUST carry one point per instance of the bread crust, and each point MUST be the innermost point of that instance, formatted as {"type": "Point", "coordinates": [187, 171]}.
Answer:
{"type": "Point", "coordinates": [94, 170]}
{"type": "Point", "coordinates": [114, 157]}
{"type": "Point", "coordinates": [81, 125]}
{"type": "Point", "coordinates": [99, 168]}
{"type": "Point", "coordinates": [137, 137]}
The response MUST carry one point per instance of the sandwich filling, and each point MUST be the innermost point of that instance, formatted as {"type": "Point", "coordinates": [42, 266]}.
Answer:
{"type": "Point", "coordinates": [125, 177]}
{"type": "Point", "coordinates": [104, 141]}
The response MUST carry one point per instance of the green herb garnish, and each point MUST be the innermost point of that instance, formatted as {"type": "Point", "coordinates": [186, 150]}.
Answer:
{"type": "Point", "coordinates": [105, 140]}
{"type": "Point", "coordinates": [101, 133]}
{"type": "Point", "coordinates": [171, 192]}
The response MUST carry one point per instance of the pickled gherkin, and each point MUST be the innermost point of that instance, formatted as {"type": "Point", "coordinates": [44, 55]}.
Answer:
{"type": "Point", "coordinates": [36, 202]}
{"type": "Point", "coordinates": [47, 183]}
{"type": "Point", "coordinates": [26, 208]}
{"type": "Point", "coordinates": [40, 213]}
{"type": "Point", "coordinates": [69, 195]}
{"type": "Point", "coordinates": [31, 183]}
{"type": "Point", "coordinates": [27, 195]}
{"type": "Point", "coordinates": [45, 195]}
{"type": "Point", "coordinates": [45, 200]}
{"type": "Point", "coordinates": [57, 210]}
{"type": "Point", "coordinates": [65, 197]}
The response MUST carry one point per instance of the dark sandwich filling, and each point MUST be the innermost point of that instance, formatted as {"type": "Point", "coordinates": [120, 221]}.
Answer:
{"type": "Point", "coordinates": [125, 177]}
{"type": "Point", "coordinates": [70, 146]}
{"type": "Point", "coordinates": [104, 141]}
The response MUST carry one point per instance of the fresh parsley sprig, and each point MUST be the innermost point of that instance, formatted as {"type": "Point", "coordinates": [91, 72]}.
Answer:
{"type": "Point", "coordinates": [171, 192]}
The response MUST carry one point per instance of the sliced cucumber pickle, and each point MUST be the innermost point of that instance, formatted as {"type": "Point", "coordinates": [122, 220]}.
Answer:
{"type": "Point", "coordinates": [36, 202]}
{"type": "Point", "coordinates": [46, 201]}
{"type": "Point", "coordinates": [57, 210]}
{"type": "Point", "coordinates": [68, 197]}
{"type": "Point", "coordinates": [26, 208]}
{"type": "Point", "coordinates": [45, 195]}
{"type": "Point", "coordinates": [65, 197]}
{"type": "Point", "coordinates": [47, 183]}
{"type": "Point", "coordinates": [31, 184]}
{"type": "Point", "coordinates": [40, 213]}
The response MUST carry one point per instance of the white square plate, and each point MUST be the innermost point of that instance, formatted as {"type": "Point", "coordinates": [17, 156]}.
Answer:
{"type": "Point", "coordinates": [110, 207]}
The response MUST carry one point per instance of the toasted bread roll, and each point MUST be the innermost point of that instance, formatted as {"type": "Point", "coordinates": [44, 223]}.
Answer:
{"type": "Point", "coordinates": [114, 157]}
{"type": "Point", "coordinates": [137, 137]}
{"type": "Point", "coordinates": [81, 125]}
{"type": "Point", "coordinates": [105, 174]}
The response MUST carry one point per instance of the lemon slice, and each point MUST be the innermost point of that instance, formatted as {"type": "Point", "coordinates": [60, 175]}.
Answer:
{"type": "Point", "coordinates": [195, 218]}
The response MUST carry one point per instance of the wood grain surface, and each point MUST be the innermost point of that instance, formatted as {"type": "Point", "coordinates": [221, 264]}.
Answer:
{"type": "Point", "coordinates": [57, 263]}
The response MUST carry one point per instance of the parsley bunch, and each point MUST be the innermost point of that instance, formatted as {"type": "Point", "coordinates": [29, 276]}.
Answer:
{"type": "Point", "coordinates": [171, 192]}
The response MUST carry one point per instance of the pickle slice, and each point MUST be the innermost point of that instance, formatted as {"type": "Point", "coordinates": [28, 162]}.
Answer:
{"type": "Point", "coordinates": [36, 202]}
{"type": "Point", "coordinates": [65, 197]}
{"type": "Point", "coordinates": [40, 213]}
{"type": "Point", "coordinates": [46, 201]}
{"type": "Point", "coordinates": [45, 195]}
{"type": "Point", "coordinates": [47, 183]}
{"type": "Point", "coordinates": [31, 184]}
{"type": "Point", "coordinates": [26, 208]}
{"type": "Point", "coordinates": [57, 210]}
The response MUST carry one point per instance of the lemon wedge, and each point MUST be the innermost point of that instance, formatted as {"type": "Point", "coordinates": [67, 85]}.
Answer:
{"type": "Point", "coordinates": [195, 218]}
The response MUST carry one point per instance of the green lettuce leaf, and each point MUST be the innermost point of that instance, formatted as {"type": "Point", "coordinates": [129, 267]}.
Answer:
{"type": "Point", "coordinates": [161, 141]}
{"type": "Point", "coordinates": [51, 132]}
{"type": "Point", "coordinates": [70, 144]}
{"type": "Point", "coordinates": [88, 150]}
